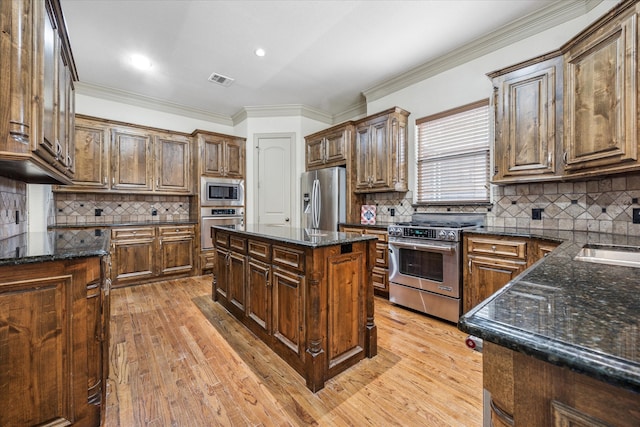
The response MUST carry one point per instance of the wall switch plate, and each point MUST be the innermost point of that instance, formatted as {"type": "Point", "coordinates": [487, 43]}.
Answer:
{"type": "Point", "coordinates": [392, 212]}
{"type": "Point", "coordinates": [636, 215]}
{"type": "Point", "coordinates": [536, 214]}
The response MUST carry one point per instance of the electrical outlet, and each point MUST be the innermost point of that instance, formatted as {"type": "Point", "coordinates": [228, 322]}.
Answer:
{"type": "Point", "coordinates": [154, 212]}
{"type": "Point", "coordinates": [536, 214]}
{"type": "Point", "coordinates": [17, 217]}
{"type": "Point", "coordinates": [98, 212]}
{"type": "Point", "coordinates": [636, 215]}
{"type": "Point", "coordinates": [392, 212]}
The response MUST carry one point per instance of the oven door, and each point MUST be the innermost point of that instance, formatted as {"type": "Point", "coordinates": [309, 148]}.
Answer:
{"type": "Point", "coordinates": [432, 266]}
{"type": "Point", "coordinates": [234, 222]}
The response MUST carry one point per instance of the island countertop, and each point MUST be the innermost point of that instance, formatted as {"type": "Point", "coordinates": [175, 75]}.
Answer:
{"type": "Point", "coordinates": [576, 314]}
{"type": "Point", "coordinates": [53, 245]}
{"type": "Point", "coordinates": [301, 236]}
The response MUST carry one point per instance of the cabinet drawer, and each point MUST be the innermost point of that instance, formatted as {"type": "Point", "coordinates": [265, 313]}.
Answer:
{"type": "Point", "coordinates": [352, 230]}
{"type": "Point", "coordinates": [380, 278]}
{"type": "Point", "coordinates": [259, 250]}
{"type": "Point", "coordinates": [238, 244]}
{"type": "Point", "coordinates": [289, 258]}
{"type": "Point", "coordinates": [132, 233]}
{"type": "Point", "coordinates": [176, 230]}
{"type": "Point", "coordinates": [382, 234]}
{"type": "Point", "coordinates": [503, 248]}
{"type": "Point", "coordinates": [382, 255]}
{"type": "Point", "coordinates": [221, 239]}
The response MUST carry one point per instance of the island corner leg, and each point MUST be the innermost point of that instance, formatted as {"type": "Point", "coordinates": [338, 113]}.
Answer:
{"type": "Point", "coordinates": [371, 330]}
{"type": "Point", "coordinates": [316, 360]}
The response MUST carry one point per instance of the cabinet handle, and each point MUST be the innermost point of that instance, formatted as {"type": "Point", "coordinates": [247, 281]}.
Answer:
{"type": "Point", "coordinates": [158, 182]}
{"type": "Point", "coordinates": [113, 180]}
{"type": "Point", "coordinates": [266, 277]}
{"type": "Point", "coordinates": [469, 266]}
{"type": "Point", "coordinates": [58, 149]}
{"type": "Point", "coordinates": [565, 157]}
{"type": "Point", "coordinates": [105, 180]}
{"type": "Point", "coordinates": [68, 162]}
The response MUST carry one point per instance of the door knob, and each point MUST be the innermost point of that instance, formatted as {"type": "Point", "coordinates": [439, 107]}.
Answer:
{"type": "Point", "coordinates": [286, 219]}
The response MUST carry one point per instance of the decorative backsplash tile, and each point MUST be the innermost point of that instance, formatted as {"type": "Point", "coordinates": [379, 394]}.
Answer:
{"type": "Point", "coordinates": [13, 199]}
{"type": "Point", "coordinates": [603, 205]}
{"type": "Point", "coordinates": [82, 209]}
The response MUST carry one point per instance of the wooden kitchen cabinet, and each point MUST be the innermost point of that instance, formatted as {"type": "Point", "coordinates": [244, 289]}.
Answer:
{"type": "Point", "coordinates": [528, 117]}
{"type": "Point", "coordinates": [601, 95]}
{"type": "Point", "coordinates": [145, 254]}
{"type": "Point", "coordinates": [221, 155]}
{"type": "Point", "coordinates": [37, 105]}
{"type": "Point", "coordinates": [173, 164]}
{"type": "Point", "coordinates": [91, 154]}
{"type": "Point", "coordinates": [329, 147]}
{"type": "Point", "coordinates": [381, 152]}
{"type": "Point", "coordinates": [53, 354]}
{"type": "Point", "coordinates": [131, 160]}
{"type": "Point", "coordinates": [492, 261]}
{"type": "Point", "coordinates": [259, 277]}
{"type": "Point", "coordinates": [380, 275]}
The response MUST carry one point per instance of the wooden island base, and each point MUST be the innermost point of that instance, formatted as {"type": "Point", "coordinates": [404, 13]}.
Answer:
{"type": "Point", "coordinates": [309, 299]}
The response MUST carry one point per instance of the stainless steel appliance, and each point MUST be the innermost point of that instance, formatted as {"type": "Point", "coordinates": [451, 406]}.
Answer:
{"type": "Point", "coordinates": [221, 192]}
{"type": "Point", "coordinates": [324, 198]}
{"type": "Point", "coordinates": [227, 217]}
{"type": "Point", "coordinates": [425, 263]}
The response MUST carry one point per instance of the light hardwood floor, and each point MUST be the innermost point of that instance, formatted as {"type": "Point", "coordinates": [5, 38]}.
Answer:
{"type": "Point", "coordinates": [179, 359]}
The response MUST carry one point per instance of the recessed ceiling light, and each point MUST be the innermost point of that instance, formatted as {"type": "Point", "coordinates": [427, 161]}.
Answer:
{"type": "Point", "coordinates": [141, 62]}
{"type": "Point", "coordinates": [260, 52]}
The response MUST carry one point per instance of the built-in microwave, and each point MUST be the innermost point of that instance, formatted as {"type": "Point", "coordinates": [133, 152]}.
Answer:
{"type": "Point", "coordinates": [221, 192]}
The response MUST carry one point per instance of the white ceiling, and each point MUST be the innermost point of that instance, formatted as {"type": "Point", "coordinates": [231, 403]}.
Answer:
{"type": "Point", "coordinates": [320, 54]}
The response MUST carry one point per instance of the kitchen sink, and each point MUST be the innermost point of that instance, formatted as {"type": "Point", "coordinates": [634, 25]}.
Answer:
{"type": "Point", "coordinates": [627, 256]}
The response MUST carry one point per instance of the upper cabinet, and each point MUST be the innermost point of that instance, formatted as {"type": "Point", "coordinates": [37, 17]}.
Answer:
{"type": "Point", "coordinates": [527, 105]}
{"type": "Point", "coordinates": [329, 147]}
{"type": "Point", "coordinates": [572, 113]}
{"type": "Point", "coordinates": [601, 96]}
{"type": "Point", "coordinates": [120, 157]}
{"type": "Point", "coordinates": [221, 155]}
{"type": "Point", "coordinates": [36, 97]}
{"type": "Point", "coordinates": [381, 152]}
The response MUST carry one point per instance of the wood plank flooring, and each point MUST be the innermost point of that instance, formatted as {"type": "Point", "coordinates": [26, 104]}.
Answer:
{"type": "Point", "coordinates": [179, 359]}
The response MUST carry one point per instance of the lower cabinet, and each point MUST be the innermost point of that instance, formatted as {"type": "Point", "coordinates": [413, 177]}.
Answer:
{"type": "Point", "coordinates": [380, 275]}
{"type": "Point", "coordinates": [523, 391]}
{"type": "Point", "coordinates": [54, 319]}
{"type": "Point", "coordinates": [145, 254]}
{"type": "Point", "coordinates": [492, 261]}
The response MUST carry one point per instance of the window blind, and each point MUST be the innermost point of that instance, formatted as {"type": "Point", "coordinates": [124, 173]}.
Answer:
{"type": "Point", "coordinates": [453, 156]}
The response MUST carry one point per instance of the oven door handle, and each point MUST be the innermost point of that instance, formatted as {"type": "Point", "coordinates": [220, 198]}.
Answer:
{"type": "Point", "coordinates": [422, 247]}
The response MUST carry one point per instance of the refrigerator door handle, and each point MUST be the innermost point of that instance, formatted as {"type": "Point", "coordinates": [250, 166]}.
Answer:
{"type": "Point", "coordinates": [315, 201]}
{"type": "Point", "coordinates": [319, 210]}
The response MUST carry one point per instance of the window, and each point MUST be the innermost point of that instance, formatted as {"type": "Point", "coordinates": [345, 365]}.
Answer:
{"type": "Point", "coordinates": [453, 156]}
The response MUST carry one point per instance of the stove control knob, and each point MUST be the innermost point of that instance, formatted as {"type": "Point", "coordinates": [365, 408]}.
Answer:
{"type": "Point", "coordinates": [451, 235]}
{"type": "Point", "coordinates": [442, 235]}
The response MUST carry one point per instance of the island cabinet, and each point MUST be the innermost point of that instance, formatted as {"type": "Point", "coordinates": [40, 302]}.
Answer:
{"type": "Point", "coordinates": [54, 320]}
{"type": "Point", "coordinates": [221, 155]}
{"type": "Point", "coordinates": [494, 260]}
{"type": "Point", "coordinates": [330, 147]}
{"type": "Point", "coordinates": [312, 303]}
{"type": "Point", "coordinates": [37, 94]}
{"type": "Point", "coordinates": [381, 152]}
{"type": "Point", "coordinates": [523, 391]}
{"type": "Point", "coordinates": [142, 254]}
{"type": "Point", "coordinates": [527, 107]}
{"type": "Point", "coordinates": [125, 158]}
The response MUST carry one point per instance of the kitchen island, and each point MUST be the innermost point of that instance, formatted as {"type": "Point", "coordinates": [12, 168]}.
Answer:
{"type": "Point", "coordinates": [307, 294]}
{"type": "Point", "coordinates": [562, 340]}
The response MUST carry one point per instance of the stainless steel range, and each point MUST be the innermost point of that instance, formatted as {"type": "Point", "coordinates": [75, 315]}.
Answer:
{"type": "Point", "coordinates": [425, 263]}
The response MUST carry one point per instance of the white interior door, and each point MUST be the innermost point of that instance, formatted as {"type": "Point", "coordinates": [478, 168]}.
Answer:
{"type": "Point", "coordinates": [274, 189]}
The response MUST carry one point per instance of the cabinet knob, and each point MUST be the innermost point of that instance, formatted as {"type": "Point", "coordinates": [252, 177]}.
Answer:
{"type": "Point", "coordinates": [493, 248]}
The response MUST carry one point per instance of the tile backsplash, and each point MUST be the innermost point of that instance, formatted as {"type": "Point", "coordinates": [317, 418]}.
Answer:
{"type": "Point", "coordinates": [82, 209]}
{"type": "Point", "coordinates": [13, 201]}
{"type": "Point", "coordinates": [603, 205]}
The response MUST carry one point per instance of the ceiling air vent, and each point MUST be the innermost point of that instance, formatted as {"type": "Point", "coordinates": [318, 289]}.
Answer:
{"type": "Point", "coordinates": [221, 80]}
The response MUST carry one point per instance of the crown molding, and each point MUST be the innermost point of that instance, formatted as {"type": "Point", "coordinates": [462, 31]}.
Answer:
{"type": "Point", "coordinates": [143, 101]}
{"type": "Point", "coordinates": [285, 110]}
{"type": "Point", "coordinates": [555, 14]}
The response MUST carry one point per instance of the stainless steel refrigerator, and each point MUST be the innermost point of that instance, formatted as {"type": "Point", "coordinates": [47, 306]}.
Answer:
{"type": "Point", "coordinates": [324, 198]}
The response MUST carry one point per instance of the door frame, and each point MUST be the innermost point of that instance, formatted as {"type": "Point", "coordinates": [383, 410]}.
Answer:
{"type": "Point", "coordinates": [294, 220]}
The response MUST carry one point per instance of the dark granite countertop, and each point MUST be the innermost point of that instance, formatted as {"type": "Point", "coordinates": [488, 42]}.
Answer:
{"type": "Point", "coordinates": [576, 314]}
{"type": "Point", "coordinates": [381, 225]}
{"type": "Point", "coordinates": [53, 245]}
{"type": "Point", "coordinates": [124, 224]}
{"type": "Point", "coordinates": [301, 236]}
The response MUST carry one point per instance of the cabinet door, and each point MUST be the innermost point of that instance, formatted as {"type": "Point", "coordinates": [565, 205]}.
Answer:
{"type": "Point", "coordinates": [176, 255]}
{"type": "Point", "coordinates": [236, 296]}
{"type": "Point", "coordinates": [528, 121]}
{"type": "Point", "coordinates": [336, 146]}
{"type": "Point", "coordinates": [95, 335]}
{"type": "Point", "coordinates": [91, 156]}
{"type": "Point", "coordinates": [380, 154]}
{"type": "Point", "coordinates": [363, 159]}
{"type": "Point", "coordinates": [212, 156]}
{"type": "Point", "coordinates": [133, 261]}
{"type": "Point", "coordinates": [315, 152]}
{"type": "Point", "coordinates": [221, 274]}
{"type": "Point", "coordinates": [234, 159]}
{"type": "Point", "coordinates": [173, 164]}
{"type": "Point", "coordinates": [259, 295]}
{"type": "Point", "coordinates": [485, 276]}
{"type": "Point", "coordinates": [61, 115]}
{"type": "Point", "coordinates": [46, 142]}
{"type": "Point", "coordinates": [288, 301]}
{"type": "Point", "coordinates": [601, 94]}
{"type": "Point", "coordinates": [131, 161]}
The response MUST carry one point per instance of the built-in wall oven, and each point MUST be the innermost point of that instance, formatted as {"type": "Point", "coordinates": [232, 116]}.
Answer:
{"type": "Point", "coordinates": [425, 264]}
{"type": "Point", "coordinates": [232, 218]}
